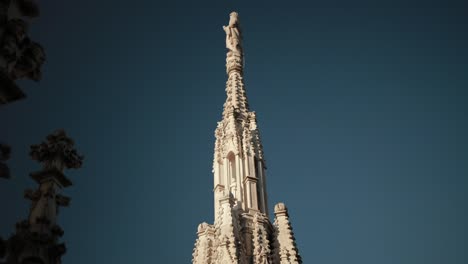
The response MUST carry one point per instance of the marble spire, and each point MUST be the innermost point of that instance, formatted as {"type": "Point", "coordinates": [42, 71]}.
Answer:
{"type": "Point", "coordinates": [242, 232]}
{"type": "Point", "coordinates": [239, 165]}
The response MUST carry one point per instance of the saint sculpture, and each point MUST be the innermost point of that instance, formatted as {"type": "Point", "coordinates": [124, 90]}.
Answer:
{"type": "Point", "coordinates": [233, 36]}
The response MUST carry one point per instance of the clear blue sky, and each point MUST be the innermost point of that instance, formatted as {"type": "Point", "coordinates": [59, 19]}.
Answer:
{"type": "Point", "coordinates": [362, 109]}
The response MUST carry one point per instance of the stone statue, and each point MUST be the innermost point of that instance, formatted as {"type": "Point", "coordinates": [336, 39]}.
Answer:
{"type": "Point", "coordinates": [233, 35]}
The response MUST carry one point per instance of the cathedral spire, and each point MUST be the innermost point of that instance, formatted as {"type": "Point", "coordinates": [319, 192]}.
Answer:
{"type": "Point", "coordinates": [242, 232]}
{"type": "Point", "coordinates": [238, 165]}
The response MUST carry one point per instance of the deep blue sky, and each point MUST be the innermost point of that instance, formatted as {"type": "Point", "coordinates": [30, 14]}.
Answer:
{"type": "Point", "coordinates": [362, 109]}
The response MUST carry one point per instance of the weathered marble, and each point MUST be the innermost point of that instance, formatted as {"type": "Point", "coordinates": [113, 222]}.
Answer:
{"type": "Point", "coordinates": [242, 232]}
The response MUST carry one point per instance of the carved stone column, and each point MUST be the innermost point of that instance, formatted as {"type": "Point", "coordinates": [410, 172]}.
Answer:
{"type": "Point", "coordinates": [37, 238]}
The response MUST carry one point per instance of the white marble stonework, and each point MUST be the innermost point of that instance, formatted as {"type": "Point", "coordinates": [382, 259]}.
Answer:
{"type": "Point", "coordinates": [242, 232]}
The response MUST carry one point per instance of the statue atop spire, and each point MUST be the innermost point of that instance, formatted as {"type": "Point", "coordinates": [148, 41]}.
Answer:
{"type": "Point", "coordinates": [233, 34]}
{"type": "Point", "coordinates": [235, 56]}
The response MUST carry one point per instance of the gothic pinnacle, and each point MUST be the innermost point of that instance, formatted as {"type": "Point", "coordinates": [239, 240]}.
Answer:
{"type": "Point", "coordinates": [285, 243]}
{"type": "Point", "coordinates": [236, 101]}
{"type": "Point", "coordinates": [234, 60]}
{"type": "Point", "coordinates": [37, 239]}
{"type": "Point", "coordinates": [57, 153]}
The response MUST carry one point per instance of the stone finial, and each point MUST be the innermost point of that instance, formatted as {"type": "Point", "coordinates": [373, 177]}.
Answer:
{"type": "Point", "coordinates": [57, 152]}
{"type": "Point", "coordinates": [235, 57]}
{"type": "Point", "coordinates": [280, 208]}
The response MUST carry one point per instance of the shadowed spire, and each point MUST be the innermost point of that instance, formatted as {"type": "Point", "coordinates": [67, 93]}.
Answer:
{"type": "Point", "coordinates": [37, 238]}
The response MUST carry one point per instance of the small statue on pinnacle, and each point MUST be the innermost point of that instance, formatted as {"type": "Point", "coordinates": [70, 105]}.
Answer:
{"type": "Point", "coordinates": [233, 34]}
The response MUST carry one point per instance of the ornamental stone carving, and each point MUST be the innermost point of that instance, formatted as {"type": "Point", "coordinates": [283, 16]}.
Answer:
{"type": "Point", "coordinates": [202, 227]}
{"type": "Point", "coordinates": [20, 57]}
{"type": "Point", "coordinates": [57, 152]}
{"type": "Point", "coordinates": [280, 208]}
{"type": "Point", "coordinates": [23, 57]}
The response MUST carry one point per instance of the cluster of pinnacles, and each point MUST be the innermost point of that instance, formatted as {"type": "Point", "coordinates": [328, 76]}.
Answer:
{"type": "Point", "coordinates": [269, 243]}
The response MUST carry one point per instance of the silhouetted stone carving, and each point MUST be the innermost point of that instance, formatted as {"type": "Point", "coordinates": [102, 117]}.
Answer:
{"type": "Point", "coordinates": [57, 152]}
{"type": "Point", "coordinates": [4, 155]}
{"type": "Point", "coordinates": [36, 239]}
{"type": "Point", "coordinates": [28, 65]}
{"type": "Point", "coordinates": [20, 57]}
